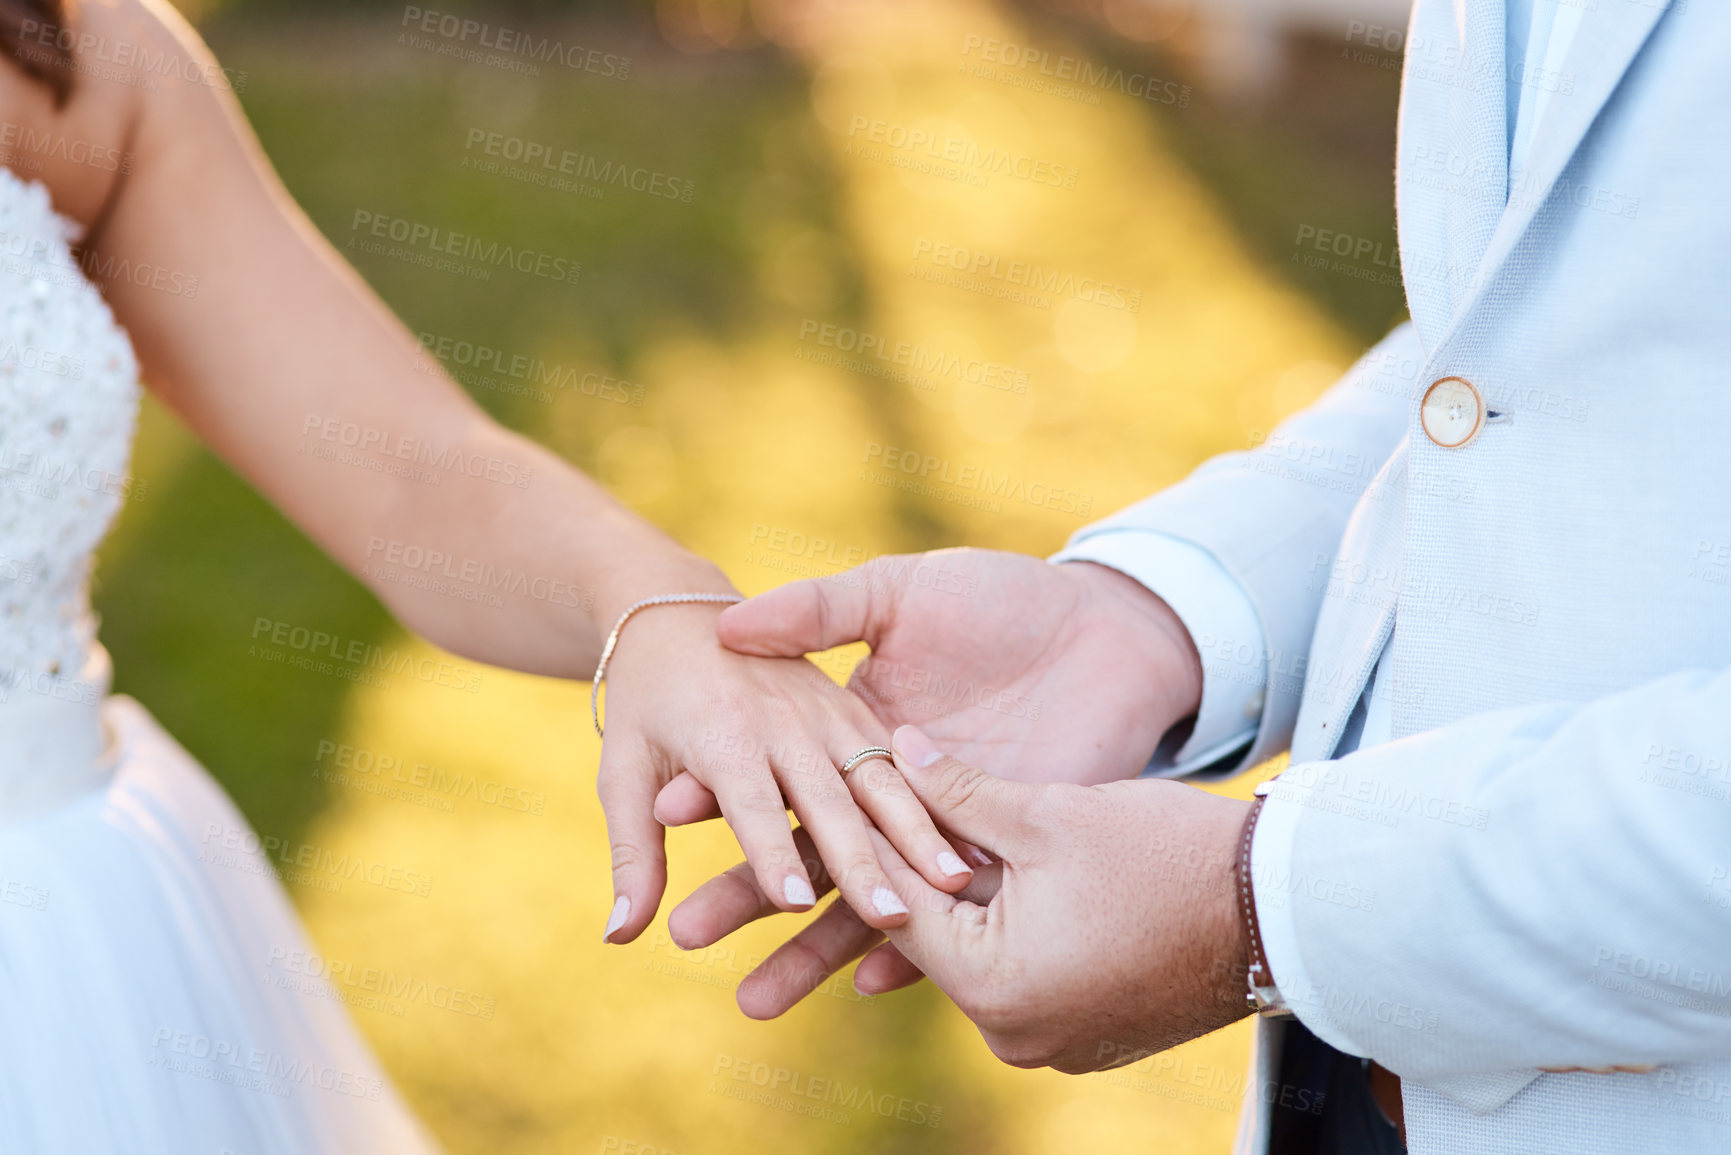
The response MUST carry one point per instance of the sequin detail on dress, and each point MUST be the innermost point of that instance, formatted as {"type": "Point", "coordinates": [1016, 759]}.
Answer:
{"type": "Point", "coordinates": [68, 405]}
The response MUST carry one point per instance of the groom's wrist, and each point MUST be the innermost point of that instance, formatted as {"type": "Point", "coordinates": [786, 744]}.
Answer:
{"type": "Point", "coordinates": [1203, 979]}
{"type": "Point", "coordinates": [1225, 928]}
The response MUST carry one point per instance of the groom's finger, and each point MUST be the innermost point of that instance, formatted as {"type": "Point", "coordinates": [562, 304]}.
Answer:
{"type": "Point", "coordinates": [993, 813]}
{"type": "Point", "coordinates": [734, 899]}
{"type": "Point", "coordinates": [885, 969]}
{"type": "Point", "coordinates": [637, 841]}
{"type": "Point", "coordinates": [944, 936]}
{"type": "Point", "coordinates": [800, 965]}
{"type": "Point", "coordinates": [801, 617]}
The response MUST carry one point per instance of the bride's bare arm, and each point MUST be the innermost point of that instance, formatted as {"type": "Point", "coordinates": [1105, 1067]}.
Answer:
{"type": "Point", "coordinates": [283, 355]}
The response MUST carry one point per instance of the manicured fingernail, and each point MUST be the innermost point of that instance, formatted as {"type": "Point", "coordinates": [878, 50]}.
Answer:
{"type": "Point", "coordinates": [951, 865]}
{"type": "Point", "coordinates": [797, 891]}
{"type": "Point", "coordinates": [621, 912]}
{"type": "Point", "coordinates": [980, 857]}
{"type": "Point", "coordinates": [888, 902]}
{"type": "Point", "coordinates": [914, 747]}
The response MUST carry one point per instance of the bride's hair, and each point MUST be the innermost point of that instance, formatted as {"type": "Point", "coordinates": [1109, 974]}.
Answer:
{"type": "Point", "coordinates": [42, 51]}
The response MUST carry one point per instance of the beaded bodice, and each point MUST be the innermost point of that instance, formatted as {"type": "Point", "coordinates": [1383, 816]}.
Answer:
{"type": "Point", "coordinates": [68, 405]}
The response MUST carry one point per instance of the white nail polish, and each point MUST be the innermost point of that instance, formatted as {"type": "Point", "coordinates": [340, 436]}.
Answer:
{"type": "Point", "coordinates": [797, 891]}
{"type": "Point", "coordinates": [621, 912]}
{"type": "Point", "coordinates": [951, 865]}
{"type": "Point", "coordinates": [887, 902]}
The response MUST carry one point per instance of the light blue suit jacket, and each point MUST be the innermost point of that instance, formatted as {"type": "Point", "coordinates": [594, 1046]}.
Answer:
{"type": "Point", "coordinates": [1548, 839]}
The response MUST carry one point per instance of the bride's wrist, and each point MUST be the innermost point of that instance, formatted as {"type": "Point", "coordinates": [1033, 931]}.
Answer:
{"type": "Point", "coordinates": [661, 649]}
{"type": "Point", "coordinates": [680, 575]}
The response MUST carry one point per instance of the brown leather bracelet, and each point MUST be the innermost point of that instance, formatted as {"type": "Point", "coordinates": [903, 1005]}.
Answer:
{"type": "Point", "coordinates": [1257, 975]}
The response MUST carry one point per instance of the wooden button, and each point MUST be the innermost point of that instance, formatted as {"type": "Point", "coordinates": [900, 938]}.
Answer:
{"type": "Point", "coordinates": [1452, 412]}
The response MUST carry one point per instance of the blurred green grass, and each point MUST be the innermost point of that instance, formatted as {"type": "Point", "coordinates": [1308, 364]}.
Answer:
{"type": "Point", "coordinates": [703, 304]}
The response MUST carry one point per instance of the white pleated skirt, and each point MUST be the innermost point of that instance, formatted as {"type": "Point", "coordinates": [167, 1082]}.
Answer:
{"type": "Point", "coordinates": [137, 931]}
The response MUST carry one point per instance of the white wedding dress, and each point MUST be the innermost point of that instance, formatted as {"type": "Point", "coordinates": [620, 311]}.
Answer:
{"type": "Point", "coordinates": [136, 929]}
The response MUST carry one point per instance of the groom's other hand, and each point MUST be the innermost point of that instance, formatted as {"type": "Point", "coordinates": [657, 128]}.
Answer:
{"type": "Point", "coordinates": [1115, 931]}
{"type": "Point", "coordinates": [1108, 928]}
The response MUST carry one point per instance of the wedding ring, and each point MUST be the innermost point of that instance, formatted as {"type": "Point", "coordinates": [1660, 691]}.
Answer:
{"type": "Point", "coordinates": [867, 755]}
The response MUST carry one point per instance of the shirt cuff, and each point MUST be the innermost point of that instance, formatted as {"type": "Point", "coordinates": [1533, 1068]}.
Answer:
{"type": "Point", "coordinates": [1223, 624]}
{"type": "Point", "coordinates": [1275, 879]}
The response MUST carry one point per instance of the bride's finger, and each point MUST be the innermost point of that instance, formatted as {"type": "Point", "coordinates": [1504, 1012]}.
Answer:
{"type": "Point", "coordinates": [733, 899]}
{"type": "Point", "coordinates": [751, 802]}
{"type": "Point", "coordinates": [885, 969]}
{"type": "Point", "coordinates": [826, 809]}
{"type": "Point", "coordinates": [637, 840]}
{"type": "Point", "coordinates": [802, 963]}
{"type": "Point", "coordinates": [885, 796]}
{"type": "Point", "coordinates": [684, 801]}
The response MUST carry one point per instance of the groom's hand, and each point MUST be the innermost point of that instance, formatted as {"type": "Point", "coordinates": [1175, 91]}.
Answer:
{"type": "Point", "coordinates": [1114, 930]}
{"type": "Point", "coordinates": [1036, 670]}
{"type": "Point", "coordinates": [1042, 672]}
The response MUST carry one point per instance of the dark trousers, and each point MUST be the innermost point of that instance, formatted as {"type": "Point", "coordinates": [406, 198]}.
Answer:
{"type": "Point", "coordinates": [1349, 1122]}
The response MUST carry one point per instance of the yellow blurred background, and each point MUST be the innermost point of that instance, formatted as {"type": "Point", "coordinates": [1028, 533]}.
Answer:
{"type": "Point", "coordinates": [760, 440]}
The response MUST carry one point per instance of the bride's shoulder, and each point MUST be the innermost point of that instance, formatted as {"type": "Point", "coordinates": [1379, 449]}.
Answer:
{"type": "Point", "coordinates": [83, 88]}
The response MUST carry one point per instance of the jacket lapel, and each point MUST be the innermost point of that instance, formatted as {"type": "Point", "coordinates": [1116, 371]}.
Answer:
{"type": "Point", "coordinates": [1451, 172]}
{"type": "Point", "coordinates": [1604, 46]}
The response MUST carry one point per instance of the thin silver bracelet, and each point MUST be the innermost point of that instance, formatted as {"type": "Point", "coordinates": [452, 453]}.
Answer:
{"type": "Point", "coordinates": [613, 638]}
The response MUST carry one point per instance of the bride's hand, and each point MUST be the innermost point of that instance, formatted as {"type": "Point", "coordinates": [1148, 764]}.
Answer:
{"type": "Point", "coordinates": [758, 733]}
